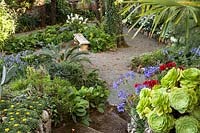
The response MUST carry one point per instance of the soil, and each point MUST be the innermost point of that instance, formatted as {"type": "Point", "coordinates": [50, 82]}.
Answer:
{"type": "Point", "coordinates": [111, 65]}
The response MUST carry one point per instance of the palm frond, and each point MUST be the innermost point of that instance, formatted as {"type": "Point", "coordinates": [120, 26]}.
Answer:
{"type": "Point", "coordinates": [165, 11]}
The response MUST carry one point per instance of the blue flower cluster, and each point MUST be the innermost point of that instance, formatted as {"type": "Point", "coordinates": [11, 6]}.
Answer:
{"type": "Point", "coordinates": [122, 94]}
{"type": "Point", "coordinates": [150, 71]}
{"type": "Point", "coordinates": [14, 59]}
{"type": "Point", "coordinates": [130, 74]}
{"type": "Point", "coordinates": [121, 107]}
{"type": "Point", "coordinates": [195, 51]}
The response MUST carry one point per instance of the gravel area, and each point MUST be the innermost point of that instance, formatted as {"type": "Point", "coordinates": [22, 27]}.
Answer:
{"type": "Point", "coordinates": [112, 64]}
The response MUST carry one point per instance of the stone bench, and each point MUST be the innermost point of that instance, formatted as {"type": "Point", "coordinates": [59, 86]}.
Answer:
{"type": "Point", "coordinates": [81, 41]}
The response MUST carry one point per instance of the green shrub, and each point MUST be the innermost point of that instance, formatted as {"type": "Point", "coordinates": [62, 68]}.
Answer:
{"type": "Point", "coordinates": [51, 35]}
{"type": "Point", "coordinates": [27, 22]}
{"type": "Point", "coordinates": [149, 59]}
{"type": "Point", "coordinates": [75, 74]}
{"type": "Point", "coordinates": [99, 40]}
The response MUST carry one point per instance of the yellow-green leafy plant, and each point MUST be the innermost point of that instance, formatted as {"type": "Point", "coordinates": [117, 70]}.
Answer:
{"type": "Point", "coordinates": [7, 23]}
{"type": "Point", "coordinates": [187, 124]}
{"type": "Point", "coordinates": [174, 103]}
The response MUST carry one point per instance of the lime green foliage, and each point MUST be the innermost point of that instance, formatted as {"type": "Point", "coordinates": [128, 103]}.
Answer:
{"type": "Point", "coordinates": [187, 124]}
{"type": "Point", "coordinates": [160, 100]}
{"type": "Point", "coordinates": [7, 23]}
{"type": "Point", "coordinates": [183, 99]}
{"type": "Point", "coordinates": [177, 97]}
{"type": "Point", "coordinates": [196, 113]}
{"type": "Point", "coordinates": [144, 104]}
{"type": "Point", "coordinates": [190, 78]}
{"type": "Point", "coordinates": [161, 123]}
{"type": "Point", "coordinates": [99, 40]}
{"type": "Point", "coordinates": [22, 114]}
{"type": "Point", "coordinates": [171, 78]}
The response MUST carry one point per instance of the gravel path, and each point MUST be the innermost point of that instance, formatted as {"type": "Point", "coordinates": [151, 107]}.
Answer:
{"type": "Point", "coordinates": [112, 64]}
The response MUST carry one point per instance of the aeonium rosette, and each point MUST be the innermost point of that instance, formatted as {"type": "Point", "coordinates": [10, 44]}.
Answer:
{"type": "Point", "coordinates": [183, 99]}
{"type": "Point", "coordinates": [187, 124]}
{"type": "Point", "coordinates": [161, 123]}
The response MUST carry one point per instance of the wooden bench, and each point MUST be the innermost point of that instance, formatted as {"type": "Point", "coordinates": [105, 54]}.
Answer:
{"type": "Point", "coordinates": [81, 41]}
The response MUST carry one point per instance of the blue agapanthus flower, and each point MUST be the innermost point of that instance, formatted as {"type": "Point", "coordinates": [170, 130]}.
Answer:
{"type": "Point", "coordinates": [150, 71]}
{"type": "Point", "coordinates": [130, 74]}
{"type": "Point", "coordinates": [115, 85]}
{"type": "Point", "coordinates": [122, 94]}
{"type": "Point", "coordinates": [121, 107]}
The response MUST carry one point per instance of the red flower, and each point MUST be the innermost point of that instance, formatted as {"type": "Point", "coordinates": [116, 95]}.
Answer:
{"type": "Point", "coordinates": [171, 64]}
{"type": "Point", "coordinates": [163, 67]}
{"type": "Point", "coordinates": [150, 83]}
{"type": "Point", "coordinates": [136, 85]}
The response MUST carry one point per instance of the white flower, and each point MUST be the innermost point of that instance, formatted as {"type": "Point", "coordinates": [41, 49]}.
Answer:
{"type": "Point", "coordinates": [76, 16]}
{"type": "Point", "coordinates": [173, 39]}
{"type": "Point", "coordinates": [68, 17]}
{"type": "Point", "coordinates": [81, 18]}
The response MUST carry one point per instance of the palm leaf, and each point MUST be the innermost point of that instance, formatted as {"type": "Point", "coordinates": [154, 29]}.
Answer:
{"type": "Point", "coordinates": [168, 11]}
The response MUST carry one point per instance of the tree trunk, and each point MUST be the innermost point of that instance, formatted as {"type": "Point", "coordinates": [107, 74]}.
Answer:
{"type": "Point", "coordinates": [42, 10]}
{"type": "Point", "coordinates": [98, 11]}
{"type": "Point", "coordinates": [53, 12]}
{"type": "Point", "coordinates": [43, 15]}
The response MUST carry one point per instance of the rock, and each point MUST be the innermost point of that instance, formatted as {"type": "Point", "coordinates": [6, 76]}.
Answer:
{"type": "Point", "coordinates": [45, 116]}
{"type": "Point", "coordinates": [3, 119]}
{"type": "Point", "coordinates": [108, 122]}
{"type": "Point", "coordinates": [45, 123]}
{"type": "Point", "coordinates": [83, 129]}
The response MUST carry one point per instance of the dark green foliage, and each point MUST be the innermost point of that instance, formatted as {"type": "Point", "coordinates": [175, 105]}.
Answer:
{"type": "Point", "coordinates": [26, 23]}
{"type": "Point", "coordinates": [99, 40]}
{"type": "Point", "coordinates": [62, 10]}
{"type": "Point", "coordinates": [112, 18]}
{"type": "Point", "coordinates": [52, 35]}
{"type": "Point", "coordinates": [74, 73]}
